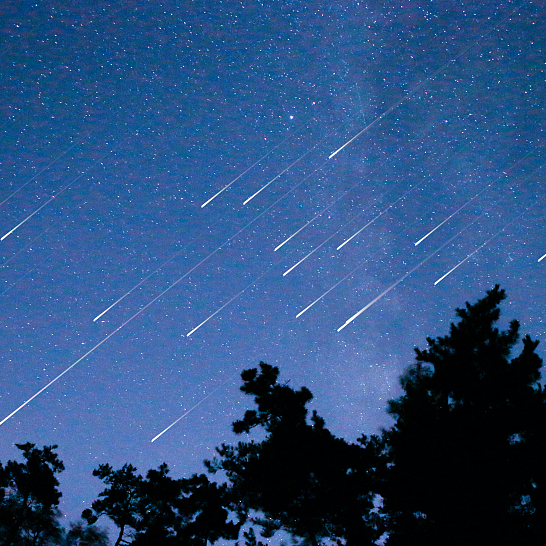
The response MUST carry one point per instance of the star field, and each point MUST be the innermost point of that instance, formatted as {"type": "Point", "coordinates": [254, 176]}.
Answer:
{"type": "Point", "coordinates": [154, 156]}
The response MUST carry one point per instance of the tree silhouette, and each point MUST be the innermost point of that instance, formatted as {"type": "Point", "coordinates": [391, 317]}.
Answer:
{"type": "Point", "coordinates": [301, 478]}
{"type": "Point", "coordinates": [29, 498]}
{"type": "Point", "coordinates": [85, 535]}
{"type": "Point", "coordinates": [463, 463]}
{"type": "Point", "coordinates": [466, 459]}
{"type": "Point", "coordinates": [162, 510]}
{"type": "Point", "coordinates": [119, 501]}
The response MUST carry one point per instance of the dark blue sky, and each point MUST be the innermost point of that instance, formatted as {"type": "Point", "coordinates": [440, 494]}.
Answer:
{"type": "Point", "coordinates": [120, 120]}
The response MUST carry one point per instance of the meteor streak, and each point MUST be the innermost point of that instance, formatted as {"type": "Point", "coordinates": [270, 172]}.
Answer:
{"type": "Point", "coordinates": [41, 171]}
{"type": "Point", "coordinates": [282, 172]}
{"type": "Point", "coordinates": [37, 210]}
{"type": "Point", "coordinates": [542, 258]}
{"type": "Point", "coordinates": [190, 410]}
{"type": "Point", "coordinates": [233, 298]}
{"type": "Point", "coordinates": [470, 200]}
{"type": "Point", "coordinates": [217, 249]}
{"type": "Point", "coordinates": [243, 173]}
{"type": "Point", "coordinates": [292, 164]}
{"type": "Point", "coordinates": [374, 219]}
{"type": "Point", "coordinates": [424, 82]}
{"type": "Point", "coordinates": [312, 252]}
{"type": "Point", "coordinates": [43, 232]}
{"type": "Point", "coordinates": [64, 188]}
{"type": "Point", "coordinates": [153, 273]}
{"type": "Point", "coordinates": [342, 227]}
{"type": "Point", "coordinates": [95, 347]}
{"type": "Point", "coordinates": [481, 246]}
{"type": "Point", "coordinates": [326, 208]}
{"type": "Point", "coordinates": [347, 322]}
{"type": "Point", "coordinates": [399, 199]}
{"type": "Point", "coordinates": [319, 246]}
{"type": "Point", "coordinates": [346, 276]}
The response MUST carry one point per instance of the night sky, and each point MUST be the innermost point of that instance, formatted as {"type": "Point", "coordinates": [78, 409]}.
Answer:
{"type": "Point", "coordinates": [120, 120]}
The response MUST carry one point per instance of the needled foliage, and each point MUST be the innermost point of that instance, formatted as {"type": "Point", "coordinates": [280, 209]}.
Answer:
{"type": "Point", "coordinates": [85, 535]}
{"type": "Point", "coordinates": [301, 478]}
{"type": "Point", "coordinates": [466, 461]}
{"type": "Point", "coordinates": [161, 510]}
{"type": "Point", "coordinates": [463, 463]}
{"type": "Point", "coordinates": [119, 501]}
{"type": "Point", "coordinates": [29, 498]}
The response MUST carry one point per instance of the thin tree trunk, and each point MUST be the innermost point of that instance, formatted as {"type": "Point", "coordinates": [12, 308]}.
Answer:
{"type": "Point", "coordinates": [118, 541]}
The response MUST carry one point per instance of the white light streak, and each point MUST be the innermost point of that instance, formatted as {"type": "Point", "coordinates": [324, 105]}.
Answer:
{"type": "Point", "coordinates": [360, 230]}
{"type": "Point", "coordinates": [249, 168]}
{"type": "Point", "coordinates": [342, 227]}
{"type": "Point", "coordinates": [347, 322]}
{"type": "Point", "coordinates": [327, 207]}
{"type": "Point", "coordinates": [282, 172]}
{"type": "Point", "coordinates": [424, 82]}
{"type": "Point", "coordinates": [155, 271]}
{"type": "Point", "coordinates": [190, 410]}
{"type": "Point", "coordinates": [233, 298]}
{"type": "Point", "coordinates": [221, 246]}
{"type": "Point", "coordinates": [31, 215]}
{"type": "Point", "coordinates": [481, 246]}
{"type": "Point", "coordinates": [96, 346]}
{"type": "Point", "coordinates": [40, 172]}
{"type": "Point", "coordinates": [296, 232]}
{"type": "Point", "coordinates": [346, 276]}
{"type": "Point", "coordinates": [64, 188]}
{"type": "Point", "coordinates": [542, 258]}
{"type": "Point", "coordinates": [319, 246]}
{"type": "Point", "coordinates": [478, 194]}
{"type": "Point", "coordinates": [292, 164]}
{"type": "Point", "coordinates": [378, 216]}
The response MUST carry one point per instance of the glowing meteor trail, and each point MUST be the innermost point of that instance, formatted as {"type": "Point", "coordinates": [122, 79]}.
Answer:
{"type": "Point", "coordinates": [31, 215]}
{"type": "Point", "coordinates": [233, 298]}
{"type": "Point", "coordinates": [26, 35]}
{"type": "Point", "coordinates": [292, 164]}
{"type": "Point", "coordinates": [374, 219]}
{"type": "Point", "coordinates": [41, 171]}
{"type": "Point", "coordinates": [376, 299]}
{"type": "Point", "coordinates": [251, 167]}
{"type": "Point", "coordinates": [326, 208]}
{"type": "Point", "coordinates": [347, 276]}
{"type": "Point", "coordinates": [424, 82]}
{"type": "Point", "coordinates": [217, 249]}
{"type": "Point", "coordinates": [154, 299]}
{"type": "Point", "coordinates": [542, 258]}
{"type": "Point", "coordinates": [319, 246]}
{"type": "Point", "coordinates": [480, 247]}
{"type": "Point", "coordinates": [29, 244]}
{"type": "Point", "coordinates": [478, 194]}
{"type": "Point", "coordinates": [64, 188]}
{"type": "Point", "coordinates": [347, 322]}
{"type": "Point", "coordinates": [190, 410]}
{"type": "Point", "coordinates": [354, 218]}
{"type": "Point", "coordinates": [282, 172]}
{"type": "Point", "coordinates": [399, 199]}
{"type": "Point", "coordinates": [96, 346]}
{"type": "Point", "coordinates": [312, 252]}
{"type": "Point", "coordinates": [153, 273]}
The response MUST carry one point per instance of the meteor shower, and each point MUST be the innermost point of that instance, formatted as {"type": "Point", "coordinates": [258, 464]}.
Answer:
{"type": "Point", "coordinates": [190, 188]}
